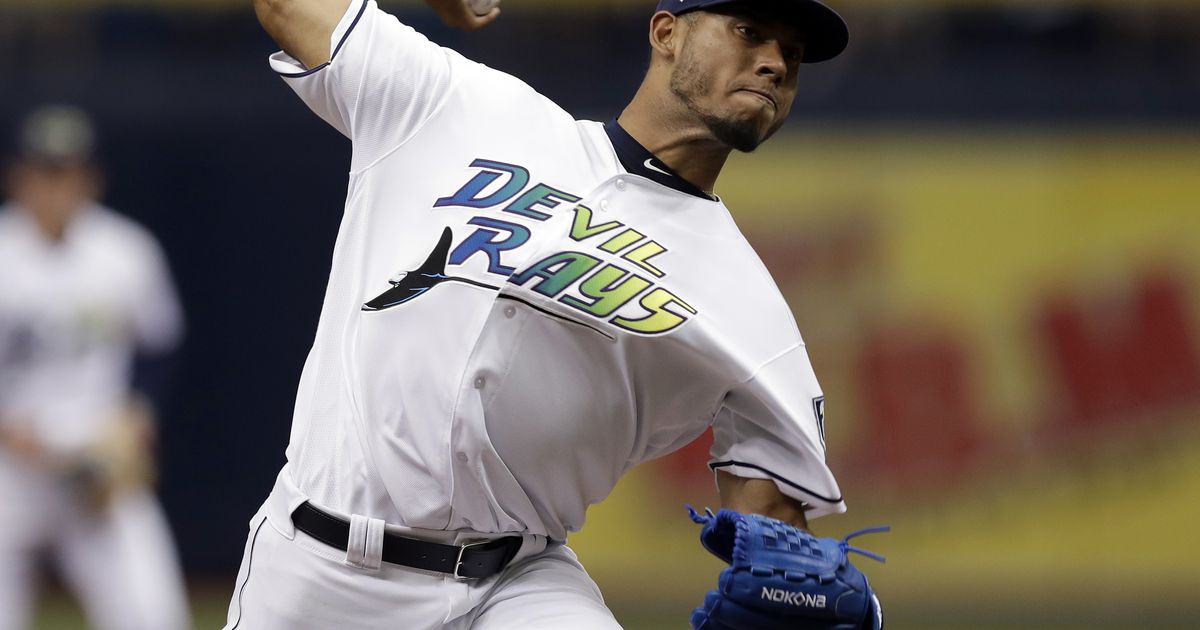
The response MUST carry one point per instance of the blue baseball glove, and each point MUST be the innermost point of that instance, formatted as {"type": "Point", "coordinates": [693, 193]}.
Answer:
{"type": "Point", "coordinates": [781, 577]}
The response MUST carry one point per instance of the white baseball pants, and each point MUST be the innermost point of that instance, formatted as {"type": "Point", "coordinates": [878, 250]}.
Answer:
{"type": "Point", "coordinates": [291, 581]}
{"type": "Point", "coordinates": [120, 565]}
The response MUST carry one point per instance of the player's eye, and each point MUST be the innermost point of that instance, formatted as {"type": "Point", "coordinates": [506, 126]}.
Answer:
{"type": "Point", "coordinates": [749, 32]}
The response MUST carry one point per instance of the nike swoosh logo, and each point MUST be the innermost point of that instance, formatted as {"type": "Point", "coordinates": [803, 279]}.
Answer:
{"type": "Point", "coordinates": [650, 165]}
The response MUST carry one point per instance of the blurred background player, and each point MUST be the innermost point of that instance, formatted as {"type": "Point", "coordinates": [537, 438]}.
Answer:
{"type": "Point", "coordinates": [85, 296]}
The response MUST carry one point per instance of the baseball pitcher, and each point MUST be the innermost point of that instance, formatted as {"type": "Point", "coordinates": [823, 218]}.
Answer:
{"type": "Point", "coordinates": [522, 307]}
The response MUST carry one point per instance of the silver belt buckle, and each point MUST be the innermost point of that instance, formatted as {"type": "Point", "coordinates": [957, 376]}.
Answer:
{"type": "Point", "coordinates": [461, 551]}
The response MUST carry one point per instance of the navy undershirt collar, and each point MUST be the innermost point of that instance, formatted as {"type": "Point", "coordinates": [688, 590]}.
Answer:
{"type": "Point", "coordinates": [640, 161]}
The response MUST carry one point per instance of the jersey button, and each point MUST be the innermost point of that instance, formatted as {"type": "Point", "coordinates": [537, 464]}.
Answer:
{"type": "Point", "coordinates": [480, 382]}
{"type": "Point", "coordinates": [604, 205]}
{"type": "Point", "coordinates": [620, 184]}
{"type": "Point", "coordinates": [461, 456]}
{"type": "Point", "coordinates": [510, 312]}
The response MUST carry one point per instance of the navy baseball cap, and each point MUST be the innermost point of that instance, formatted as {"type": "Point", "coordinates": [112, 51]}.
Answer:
{"type": "Point", "coordinates": [825, 32]}
{"type": "Point", "coordinates": [57, 135]}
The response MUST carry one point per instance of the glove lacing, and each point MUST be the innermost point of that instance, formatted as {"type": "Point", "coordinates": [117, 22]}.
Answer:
{"type": "Point", "coordinates": [700, 520]}
{"type": "Point", "coordinates": [846, 546]}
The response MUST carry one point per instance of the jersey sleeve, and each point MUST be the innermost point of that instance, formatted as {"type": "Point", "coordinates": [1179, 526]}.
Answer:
{"type": "Point", "coordinates": [382, 82]}
{"type": "Point", "coordinates": [771, 426]}
{"type": "Point", "coordinates": [155, 313]}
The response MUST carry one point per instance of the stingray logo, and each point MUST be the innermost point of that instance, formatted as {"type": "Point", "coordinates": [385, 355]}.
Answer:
{"type": "Point", "coordinates": [413, 284]}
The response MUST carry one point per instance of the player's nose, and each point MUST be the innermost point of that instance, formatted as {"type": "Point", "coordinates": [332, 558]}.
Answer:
{"type": "Point", "coordinates": [771, 61]}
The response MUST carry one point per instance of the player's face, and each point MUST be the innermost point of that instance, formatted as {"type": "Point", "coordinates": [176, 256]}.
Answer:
{"type": "Point", "coordinates": [737, 71]}
{"type": "Point", "coordinates": [52, 193]}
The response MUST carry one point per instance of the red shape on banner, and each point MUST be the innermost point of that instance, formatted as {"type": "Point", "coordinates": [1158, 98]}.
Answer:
{"type": "Point", "coordinates": [1117, 358]}
{"type": "Point", "coordinates": [919, 406]}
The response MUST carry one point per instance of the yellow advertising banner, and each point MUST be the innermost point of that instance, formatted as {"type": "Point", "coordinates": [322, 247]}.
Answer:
{"type": "Point", "coordinates": [1006, 326]}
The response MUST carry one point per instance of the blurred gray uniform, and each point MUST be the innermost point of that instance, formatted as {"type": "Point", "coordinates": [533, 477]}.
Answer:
{"type": "Point", "coordinates": [72, 315]}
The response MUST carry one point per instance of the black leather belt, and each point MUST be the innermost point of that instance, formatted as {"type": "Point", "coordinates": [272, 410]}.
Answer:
{"type": "Point", "coordinates": [470, 561]}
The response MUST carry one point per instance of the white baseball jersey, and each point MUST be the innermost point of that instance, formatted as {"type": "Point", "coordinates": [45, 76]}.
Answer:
{"type": "Point", "coordinates": [72, 314]}
{"type": "Point", "coordinates": [520, 309]}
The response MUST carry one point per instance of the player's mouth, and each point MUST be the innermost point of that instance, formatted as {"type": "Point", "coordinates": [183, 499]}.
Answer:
{"type": "Point", "coordinates": [762, 95]}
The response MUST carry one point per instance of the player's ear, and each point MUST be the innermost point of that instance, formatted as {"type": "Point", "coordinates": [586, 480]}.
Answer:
{"type": "Point", "coordinates": [665, 34]}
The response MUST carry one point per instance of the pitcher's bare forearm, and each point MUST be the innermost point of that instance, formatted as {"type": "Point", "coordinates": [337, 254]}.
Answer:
{"type": "Point", "coordinates": [760, 496]}
{"type": "Point", "coordinates": [303, 28]}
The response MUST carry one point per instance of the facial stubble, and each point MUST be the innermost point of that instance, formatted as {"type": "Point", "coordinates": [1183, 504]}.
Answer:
{"type": "Point", "coordinates": [690, 83]}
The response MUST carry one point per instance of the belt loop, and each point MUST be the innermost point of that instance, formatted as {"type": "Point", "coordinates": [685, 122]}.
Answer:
{"type": "Point", "coordinates": [364, 547]}
{"type": "Point", "coordinates": [373, 558]}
